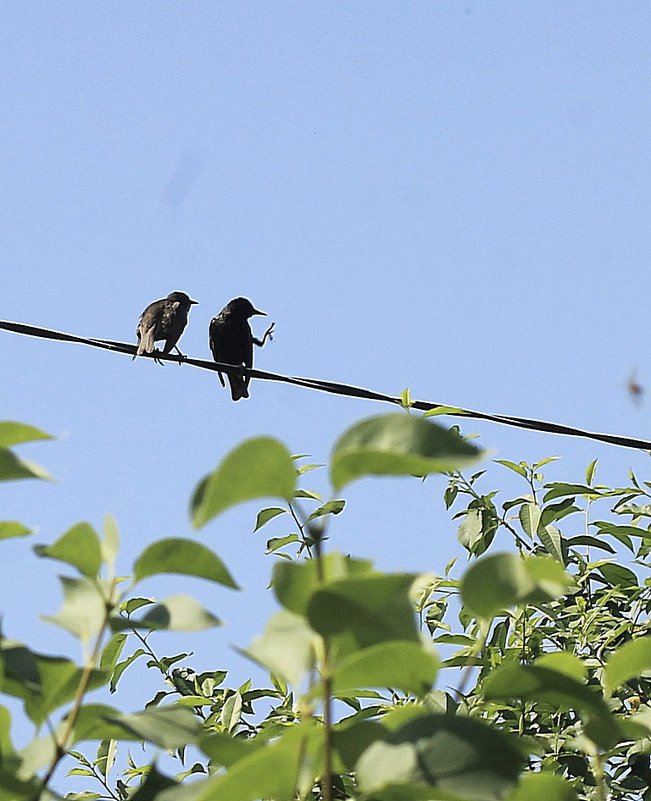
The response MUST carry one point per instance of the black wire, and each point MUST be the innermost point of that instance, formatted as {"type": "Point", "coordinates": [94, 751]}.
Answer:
{"type": "Point", "coordinates": [334, 388]}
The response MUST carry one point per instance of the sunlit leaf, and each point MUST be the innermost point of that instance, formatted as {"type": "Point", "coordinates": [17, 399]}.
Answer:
{"type": "Point", "coordinates": [79, 547]}
{"type": "Point", "coordinates": [265, 515]}
{"type": "Point", "coordinates": [543, 787]}
{"type": "Point", "coordinates": [286, 648]}
{"type": "Point", "coordinates": [83, 611]}
{"type": "Point", "coordinates": [497, 582]}
{"type": "Point", "coordinates": [16, 433]}
{"type": "Point", "coordinates": [13, 468]}
{"type": "Point", "coordinates": [177, 613]}
{"type": "Point", "coordinates": [167, 727]}
{"type": "Point", "coordinates": [398, 444]}
{"type": "Point", "coordinates": [258, 468]}
{"type": "Point", "coordinates": [629, 661]}
{"type": "Point", "coordinates": [10, 528]}
{"type": "Point", "coordinates": [182, 556]}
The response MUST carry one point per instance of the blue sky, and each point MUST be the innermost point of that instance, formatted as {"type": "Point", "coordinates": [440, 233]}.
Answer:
{"type": "Point", "coordinates": [448, 196]}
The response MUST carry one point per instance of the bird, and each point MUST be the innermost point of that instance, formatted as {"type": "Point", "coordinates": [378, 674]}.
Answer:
{"type": "Point", "coordinates": [163, 319]}
{"type": "Point", "coordinates": [231, 342]}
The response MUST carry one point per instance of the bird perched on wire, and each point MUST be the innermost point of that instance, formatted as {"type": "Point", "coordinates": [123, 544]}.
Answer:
{"type": "Point", "coordinates": [163, 319]}
{"type": "Point", "coordinates": [231, 342]}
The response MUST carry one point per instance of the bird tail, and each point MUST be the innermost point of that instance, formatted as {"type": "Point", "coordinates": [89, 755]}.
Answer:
{"type": "Point", "coordinates": [146, 343]}
{"type": "Point", "coordinates": [239, 388]}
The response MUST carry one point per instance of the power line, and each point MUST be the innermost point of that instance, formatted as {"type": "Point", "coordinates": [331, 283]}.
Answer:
{"type": "Point", "coordinates": [335, 388]}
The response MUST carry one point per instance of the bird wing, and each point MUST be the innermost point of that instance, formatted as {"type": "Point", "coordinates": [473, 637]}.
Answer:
{"type": "Point", "coordinates": [213, 341]}
{"type": "Point", "coordinates": [148, 330]}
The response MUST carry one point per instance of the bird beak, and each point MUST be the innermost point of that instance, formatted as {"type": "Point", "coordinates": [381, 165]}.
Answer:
{"type": "Point", "coordinates": [255, 311]}
{"type": "Point", "coordinates": [194, 303]}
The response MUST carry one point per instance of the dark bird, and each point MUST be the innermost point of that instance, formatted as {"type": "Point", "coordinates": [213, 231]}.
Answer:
{"type": "Point", "coordinates": [231, 342]}
{"type": "Point", "coordinates": [163, 319]}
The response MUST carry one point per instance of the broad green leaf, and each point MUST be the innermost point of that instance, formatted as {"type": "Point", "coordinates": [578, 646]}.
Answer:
{"type": "Point", "coordinates": [120, 667]}
{"type": "Point", "coordinates": [276, 543]}
{"type": "Point", "coordinates": [516, 468]}
{"type": "Point", "coordinates": [16, 433]}
{"type": "Point", "coordinates": [83, 612]}
{"type": "Point", "coordinates": [363, 611]}
{"type": "Point", "coordinates": [272, 771]}
{"type": "Point", "coordinates": [540, 684]}
{"type": "Point", "coordinates": [79, 547]}
{"type": "Point", "coordinates": [167, 727]}
{"type": "Point", "coordinates": [177, 613]}
{"type": "Point", "coordinates": [182, 556]}
{"type": "Point", "coordinates": [105, 757]}
{"type": "Point", "coordinates": [38, 753]}
{"type": "Point", "coordinates": [13, 468]}
{"type": "Point", "coordinates": [530, 518]}
{"type": "Point", "coordinates": [497, 582]}
{"type": "Point", "coordinates": [94, 723]}
{"type": "Point", "coordinates": [590, 542]}
{"type": "Point", "coordinates": [286, 648]}
{"type": "Point", "coordinates": [112, 651]}
{"type": "Point", "coordinates": [406, 666]}
{"type": "Point", "coordinates": [265, 515]}
{"type": "Point", "coordinates": [543, 787]}
{"type": "Point", "coordinates": [43, 682]}
{"type": "Point", "coordinates": [153, 785]}
{"type": "Point", "coordinates": [294, 582]}
{"type": "Point", "coordinates": [224, 749]}
{"type": "Point", "coordinates": [258, 468]}
{"type": "Point", "coordinates": [454, 755]}
{"type": "Point", "coordinates": [618, 575]}
{"type": "Point", "coordinates": [10, 528]}
{"type": "Point", "coordinates": [397, 445]}
{"type": "Point", "coordinates": [564, 662]}
{"type": "Point", "coordinates": [618, 531]}
{"type": "Point", "coordinates": [629, 661]}
{"type": "Point", "coordinates": [231, 713]}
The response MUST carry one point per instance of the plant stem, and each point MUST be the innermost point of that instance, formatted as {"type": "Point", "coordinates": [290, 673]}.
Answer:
{"type": "Point", "coordinates": [326, 679]}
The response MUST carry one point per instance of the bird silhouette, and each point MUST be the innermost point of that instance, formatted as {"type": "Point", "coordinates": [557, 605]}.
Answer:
{"type": "Point", "coordinates": [163, 319]}
{"type": "Point", "coordinates": [231, 342]}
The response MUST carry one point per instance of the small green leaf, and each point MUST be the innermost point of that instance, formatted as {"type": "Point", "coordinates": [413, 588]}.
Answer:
{"type": "Point", "coordinates": [17, 433]}
{"type": "Point", "coordinates": [618, 575]}
{"type": "Point", "coordinates": [182, 556]}
{"type": "Point", "coordinates": [111, 540]}
{"type": "Point", "coordinates": [329, 508]}
{"type": "Point", "coordinates": [13, 468]}
{"type": "Point", "coordinates": [439, 410]}
{"type": "Point", "coordinates": [10, 528]}
{"type": "Point", "coordinates": [286, 648]}
{"type": "Point", "coordinates": [79, 547]}
{"type": "Point", "coordinates": [497, 582]}
{"type": "Point", "coordinates": [559, 489]}
{"type": "Point", "coordinates": [231, 713]}
{"type": "Point", "coordinates": [276, 543]}
{"type": "Point", "coordinates": [258, 468]}
{"type": "Point", "coordinates": [265, 515]}
{"type": "Point", "coordinates": [516, 468]}
{"type": "Point", "coordinates": [590, 471]}
{"type": "Point", "coordinates": [398, 444]}
{"type": "Point", "coordinates": [167, 727]}
{"type": "Point", "coordinates": [406, 666]}
{"type": "Point", "coordinates": [629, 661]}
{"type": "Point", "coordinates": [471, 529]}
{"type": "Point", "coordinates": [564, 662]}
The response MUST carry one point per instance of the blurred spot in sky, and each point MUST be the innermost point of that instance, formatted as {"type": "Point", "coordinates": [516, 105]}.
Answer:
{"type": "Point", "coordinates": [186, 172]}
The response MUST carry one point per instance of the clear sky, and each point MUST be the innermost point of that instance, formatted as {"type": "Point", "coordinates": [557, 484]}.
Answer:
{"type": "Point", "coordinates": [450, 196]}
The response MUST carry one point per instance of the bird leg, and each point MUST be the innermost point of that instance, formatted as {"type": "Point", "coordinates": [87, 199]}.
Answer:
{"type": "Point", "coordinates": [156, 357]}
{"type": "Point", "coordinates": [182, 356]}
{"type": "Point", "coordinates": [268, 334]}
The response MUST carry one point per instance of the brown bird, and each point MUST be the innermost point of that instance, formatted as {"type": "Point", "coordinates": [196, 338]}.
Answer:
{"type": "Point", "coordinates": [163, 319]}
{"type": "Point", "coordinates": [231, 342]}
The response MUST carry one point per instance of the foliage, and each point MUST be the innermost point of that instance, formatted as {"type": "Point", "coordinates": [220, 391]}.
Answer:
{"type": "Point", "coordinates": [545, 643]}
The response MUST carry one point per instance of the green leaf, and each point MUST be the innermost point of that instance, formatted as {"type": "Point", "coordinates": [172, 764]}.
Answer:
{"type": "Point", "coordinates": [540, 684]}
{"type": "Point", "coordinates": [564, 662]}
{"type": "Point", "coordinates": [497, 582]}
{"type": "Point", "coordinates": [177, 613]}
{"type": "Point", "coordinates": [276, 543]}
{"type": "Point", "coordinates": [286, 648]}
{"type": "Point", "coordinates": [165, 726]}
{"type": "Point", "coordinates": [618, 575]}
{"type": "Point", "coordinates": [258, 468]}
{"type": "Point", "coordinates": [43, 682]}
{"type": "Point", "coordinates": [590, 471]}
{"type": "Point", "coordinates": [17, 433]}
{"type": "Point", "coordinates": [406, 666]}
{"type": "Point", "coordinates": [439, 410]}
{"type": "Point", "coordinates": [530, 518]}
{"type": "Point", "coordinates": [10, 528]}
{"type": "Point", "coordinates": [13, 468]}
{"type": "Point", "coordinates": [294, 582]}
{"type": "Point", "coordinates": [516, 468]}
{"type": "Point", "coordinates": [182, 556]}
{"type": "Point", "coordinates": [224, 749]}
{"type": "Point", "coordinates": [629, 661]}
{"type": "Point", "coordinates": [79, 547]}
{"type": "Point", "coordinates": [398, 444]}
{"type": "Point", "coordinates": [552, 539]}
{"type": "Point", "coordinates": [329, 508]}
{"type": "Point", "coordinates": [363, 611]}
{"type": "Point", "coordinates": [265, 515]}
{"type": "Point", "coordinates": [471, 529]}
{"type": "Point", "coordinates": [543, 787]}
{"type": "Point", "coordinates": [559, 489]}
{"type": "Point", "coordinates": [111, 541]}
{"type": "Point", "coordinates": [83, 612]}
{"type": "Point", "coordinates": [455, 755]}
{"type": "Point", "coordinates": [231, 713]}
{"type": "Point", "coordinates": [153, 786]}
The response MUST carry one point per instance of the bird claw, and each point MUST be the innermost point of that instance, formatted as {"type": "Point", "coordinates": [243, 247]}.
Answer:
{"type": "Point", "coordinates": [155, 356]}
{"type": "Point", "coordinates": [269, 333]}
